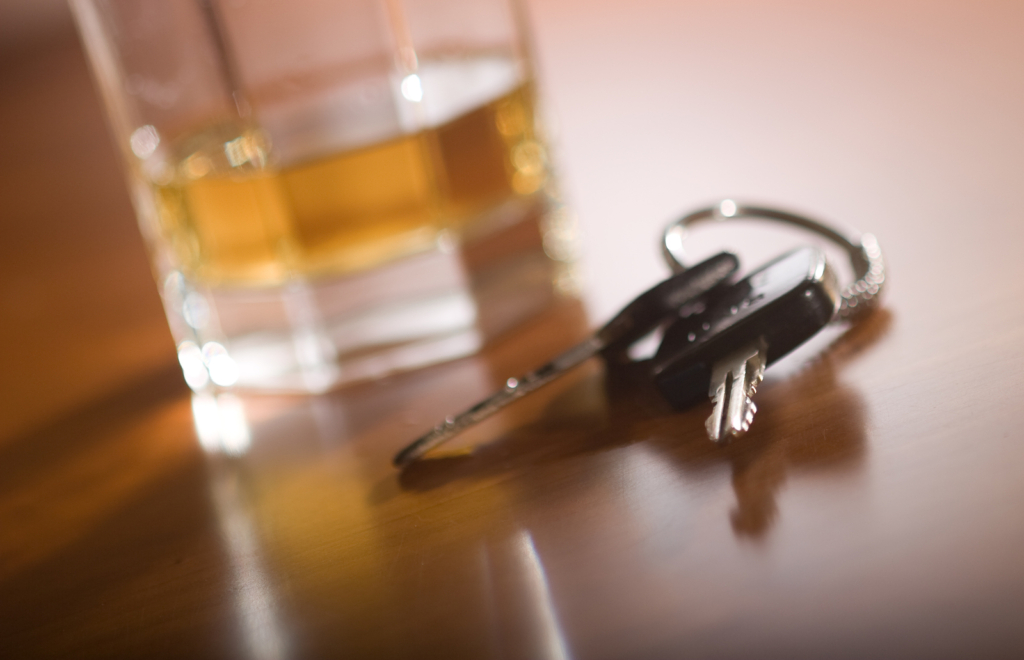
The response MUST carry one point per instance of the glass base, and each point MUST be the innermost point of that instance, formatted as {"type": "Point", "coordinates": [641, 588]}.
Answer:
{"type": "Point", "coordinates": [312, 336]}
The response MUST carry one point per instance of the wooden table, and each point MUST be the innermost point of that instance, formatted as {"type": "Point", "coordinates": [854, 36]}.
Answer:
{"type": "Point", "coordinates": [876, 509]}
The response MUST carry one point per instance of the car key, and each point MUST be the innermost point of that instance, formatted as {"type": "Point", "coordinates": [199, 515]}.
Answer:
{"type": "Point", "coordinates": [723, 352]}
{"type": "Point", "coordinates": [636, 320]}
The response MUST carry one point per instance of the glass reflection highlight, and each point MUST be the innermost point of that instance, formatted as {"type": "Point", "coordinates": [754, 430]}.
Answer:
{"type": "Point", "coordinates": [221, 424]}
{"type": "Point", "coordinates": [552, 636]}
{"type": "Point", "coordinates": [222, 427]}
{"type": "Point", "coordinates": [412, 88]}
{"type": "Point", "coordinates": [144, 141]}
{"type": "Point", "coordinates": [255, 599]}
{"type": "Point", "coordinates": [223, 369]}
{"type": "Point", "coordinates": [191, 359]}
{"type": "Point", "coordinates": [209, 363]}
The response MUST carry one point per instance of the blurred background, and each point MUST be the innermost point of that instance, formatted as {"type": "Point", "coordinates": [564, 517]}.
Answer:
{"type": "Point", "coordinates": [77, 325]}
{"type": "Point", "coordinates": [813, 105]}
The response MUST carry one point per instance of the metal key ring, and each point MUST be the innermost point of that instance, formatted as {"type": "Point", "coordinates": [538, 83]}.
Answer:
{"type": "Point", "coordinates": [863, 250]}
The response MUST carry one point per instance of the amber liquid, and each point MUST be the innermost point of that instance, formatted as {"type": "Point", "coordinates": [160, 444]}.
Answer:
{"type": "Point", "coordinates": [232, 217]}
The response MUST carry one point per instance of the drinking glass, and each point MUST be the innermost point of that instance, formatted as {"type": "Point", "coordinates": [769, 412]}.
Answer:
{"type": "Point", "coordinates": [331, 190]}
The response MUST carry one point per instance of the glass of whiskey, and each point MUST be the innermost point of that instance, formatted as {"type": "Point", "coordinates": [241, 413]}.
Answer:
{"type": "Point", "coordinates": [331, 190]}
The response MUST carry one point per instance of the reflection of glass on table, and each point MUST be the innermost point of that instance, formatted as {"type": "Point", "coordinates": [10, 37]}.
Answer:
{"type": "Point", "coordinates": [331, 191]}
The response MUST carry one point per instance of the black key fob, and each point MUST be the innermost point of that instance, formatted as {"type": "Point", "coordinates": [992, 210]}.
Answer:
{"type": "Point", "coordinates": [777, 307]}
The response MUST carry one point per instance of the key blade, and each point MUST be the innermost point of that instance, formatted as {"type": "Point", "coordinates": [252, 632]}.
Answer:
{"type": "Point", "coordinates": [515, 388]}
{"type": "Point", "coordinates": [734, 379]}
{"type": "Point", "coordinates": [718, 398]}
{"type": "Point", "coordinates": [633, 322]}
